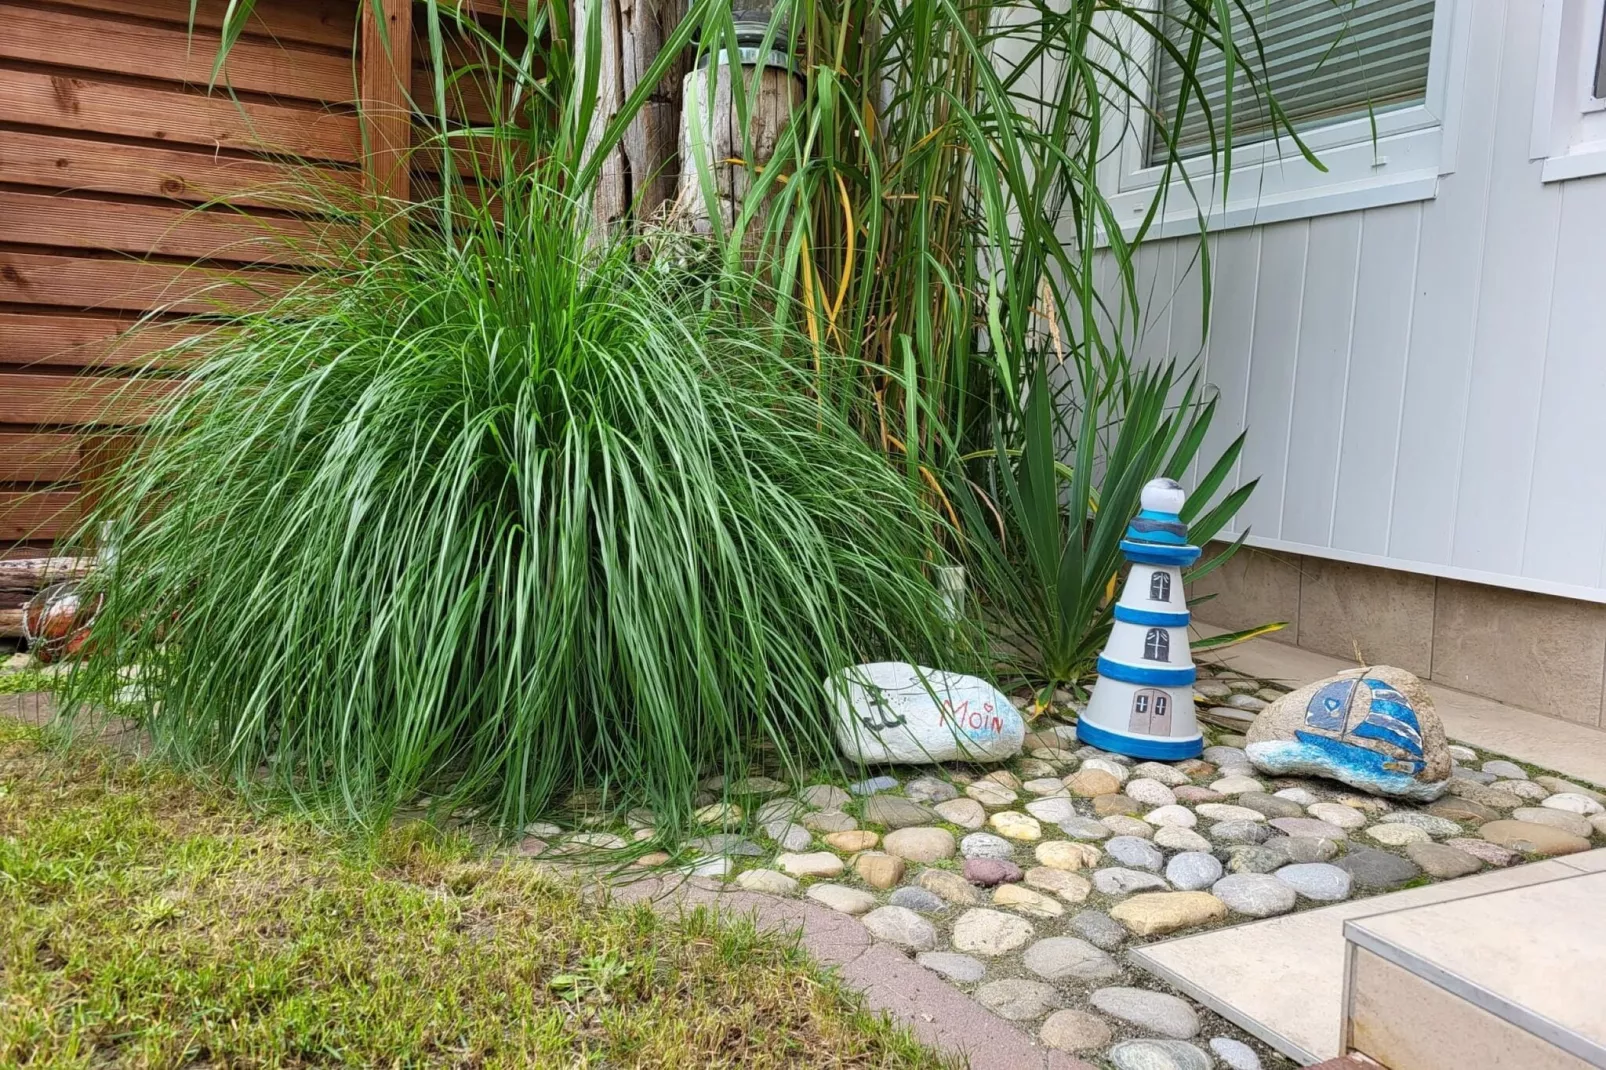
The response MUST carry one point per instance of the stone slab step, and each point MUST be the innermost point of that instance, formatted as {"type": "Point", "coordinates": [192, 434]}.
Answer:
{"type": "Point", "coordinates": [1496, 980]}
{"type": "Point", "coordinates": [1282, 979]}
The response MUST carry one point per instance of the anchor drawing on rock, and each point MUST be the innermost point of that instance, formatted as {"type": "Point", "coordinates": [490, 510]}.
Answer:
{"type": "Point", "coordinates": [885, 716]}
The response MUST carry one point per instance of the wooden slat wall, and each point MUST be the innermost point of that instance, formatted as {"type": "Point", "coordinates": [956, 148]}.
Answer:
{"type": "Point", "coordinates": [126, 186]}
{"type": "Point", "coordinates": [110, 144]}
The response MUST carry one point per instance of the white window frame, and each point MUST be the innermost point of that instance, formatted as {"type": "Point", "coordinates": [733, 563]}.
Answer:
{"type": "Point", "coordinates": [1569, 129]}
{"type": "Point", "coordinates": [1272, 182]}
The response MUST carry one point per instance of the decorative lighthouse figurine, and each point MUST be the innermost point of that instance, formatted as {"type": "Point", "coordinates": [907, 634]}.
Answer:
{"type": "Point", "coordinates": [1142, 704]}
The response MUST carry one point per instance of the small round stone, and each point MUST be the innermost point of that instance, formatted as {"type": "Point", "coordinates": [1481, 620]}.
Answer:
{"type": "Point", "coordinates": [1308, 826]}
{"type": "Point", "coordinates": [917, 899]}
{"type": "Point", "coordinates": [950, 886]}
{"type": "Point", "coordinates": [1522, 789]}
{"type": "Point", "coordinates": [1304, 848]}
{"type": "Point", "coordinates": [1484, 851]}
{"type": "Point", "coordinates": [1017, 1000]}
{"type": "Point", "coordinates": [1298, 796]}
{"type": "Point", "coordinates": [1085, 828]}
{"type": "Point", "coordinates": [1108, 764]}
{"type": "Point", "coordinates": [851, 842]}
{"type": "Point", "coordinates": [1249, 858]}
{"type": "Point", "coordinates": [1091, 783]}
{"type": "Point", "coordinates": [901, 927]}
{"type": "Point", "coordinates": [1172, 816]}
{"type": "Point", "coordinates": [1442, 862]}
{"type": "Point", "coordinates": [1270, 805]}
{"type": "Point", "coordinates": [768, 881]}
{"type": "Point", "coordinates": [1122, 825]}
{"type": "Point", "coordinates": [1238, 832]}
{"type": "Point", "coordinates": [774, 810]}
{"type": "Point", "coordinates": [1229, 812]}
{"type": "Point", "coordinates": [1150, 792]}
{"type": "Point", "coordinates": [1344, 817]}
{"type": "Point", "coordinates": [966, 813]}
{"type": "Point", "coordinates": [1135, 853]}
{"type": "Point", "coordinates": [1237, 785]}
{"type": "Point", "coordinates": [1397, 835]}
{"type": "Point", "coordinates": [1074, 1030]}
{"type": "Point", "coordinates": [1158, 1055]}
{"type": "Point", "coordinates": [1053, 809]}
{"type": "Point", "coordinates": [829, 821]}
{"type": "Point", "coordinates": [991, 794]}
{"type": "Point", "coordinates": [879, 869]}
{"type": "Point", "coordinates": [1172, 838]}
{"type": "Point", "coordinates": [1029, 902]}
{"type": "Point", "coordinates": [824, 797]}
{"type": "Point", "coordinates": [1045, 787]}
{"type": "Point", "coordinates": [1194, 795]}
{"type": "Point", "coordinates": [1235, 1053]}
{"type": "Point", "coordinates": [990, 932]}
{"type": "Point", "coordinates": [1158, 913]}
{"type": "Point", "coordinates": [959, 968]}
{"type": "Point", "coordinates": [985, 845]}
{"type": "Point", "coordinates": [1571, 824]}
{"type": "Point", "coordinates": [1505, 770]}
{"type": "Point", "coordinates": [1462, 754]}
{"type": "Point", "coordinates": [1118, 881]}
{"type": "Point", "coordinates": [1433, 826]}
{"type": "Point", "coordinates": [1316, 880]}
{"type": "Point", "coordinates": [1371, 868]}
{"type": "Point", "coordinates": [988, 872]}
{"type": "Point", "coordinates": [1532, 838]}
{"type": "Point", "coordinates": [813, 864]}
{"type": "Point", "coordinates": [1068, 958]}
{"type": "Point", "coordinates": [1099, 929]}
{"type": "Point", "coordinates": [788, 836]}
{"type": "Point", "coordinates": [1060, 854]}
{"type": "Point", "coordinates": [1573, 804]}
{"type": "Point", "coordinates": [895, 812]}
{"type": "Point", "coordinates": [1259, 895]}
{"type": "Point", "coordinates": [928, 789]}
{"type": "Point", "coordinates": [1155, 1012]}
{"type": "Point", "coordinates": [841, 897]}
{"type": "Point", "coordinates": [1169, 775]}
{"type": "Point", "coordinates": [1016, 826]}
{"type": "Point", "coordinates": [1071, 887]}
{"type": "Point", "coordinates": [920, 844]}
{"type": "Point", "coordinates": [1455, 808]}
{"type": "Point", "coordinates": [1193, 871]}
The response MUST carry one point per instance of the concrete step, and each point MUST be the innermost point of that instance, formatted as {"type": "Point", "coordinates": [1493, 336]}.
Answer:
{"type": "Point", "coordinates": [1502, 979]}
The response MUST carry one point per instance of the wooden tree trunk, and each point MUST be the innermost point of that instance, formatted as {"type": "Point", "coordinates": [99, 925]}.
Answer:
{"type": "Point", "coordinates": [708, 104]}
{"type": "Point", "coordinates": [640, 174]}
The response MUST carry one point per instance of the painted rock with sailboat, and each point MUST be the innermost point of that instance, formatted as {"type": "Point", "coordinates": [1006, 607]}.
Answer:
{"type": "Point", "coordinates": [1372, 728]}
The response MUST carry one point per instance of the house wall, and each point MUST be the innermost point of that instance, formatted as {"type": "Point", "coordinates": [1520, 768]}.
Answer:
{"type": "Point", "coordinates": [1424, 384]}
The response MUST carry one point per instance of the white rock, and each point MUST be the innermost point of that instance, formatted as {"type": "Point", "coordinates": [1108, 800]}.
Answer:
{"type": "Point", "coordinates": [1051, 810]}
{"type": "Point", "coordinates": [892, 711]}
{"type": "Point", "coordinates": [1236, 785]}
{"type": "Point", "coordinates": [1345, 817]}
{"type": "Point", "coordinates": [766, 880]}
{"type": "Point", "coordinates": [1173, 838]}
{"type": "Point", "coordinates": [1149, 792]}
{"type": "Point", "coordinates": [1573, 804]}
{"type": "Point", "coordinates": [1398, 835]}
{"type": "Point", "coordinates": [1228, 812]}
{"type": "Point", "coordinates": [1173, 816]}
{"type": "Point", "coordinates": [841, 897]}
{"type": "Point", "coordinates": [1169, 775]}
{"type": "Point", "coordinates": [1114, 768]}
{"type": "Point", "coordinates": [1296, 795]}
{"type": "Point", "coordinates": [901, 927]}
{"type": "Point", "coordinates": [990, 932]}
{"type": "Point", "coordinates": [1462, 754]}
{"type": "Point", "coordinates": [813, 864]}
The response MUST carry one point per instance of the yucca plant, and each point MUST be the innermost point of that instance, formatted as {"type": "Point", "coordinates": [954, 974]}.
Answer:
{"type": "Point", "coordinates": [1044, 520]}
{"type": "Point", "coordinates": [491, 516]}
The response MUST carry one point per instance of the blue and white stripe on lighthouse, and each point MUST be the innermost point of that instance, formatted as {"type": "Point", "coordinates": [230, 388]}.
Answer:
{"type": "Point", "coordinates": [1142, 704]}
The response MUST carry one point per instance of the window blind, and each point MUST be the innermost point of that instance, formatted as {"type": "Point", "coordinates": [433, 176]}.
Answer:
{"type": "Point", "coordinates": [1325, 61]}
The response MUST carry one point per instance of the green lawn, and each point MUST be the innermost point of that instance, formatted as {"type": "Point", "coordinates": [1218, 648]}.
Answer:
{"type": "Point", "coordinates": [146, 920]}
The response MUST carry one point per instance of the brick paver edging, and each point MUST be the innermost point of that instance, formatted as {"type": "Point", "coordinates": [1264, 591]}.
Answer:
{"type": "Point", "coordinates": [936, 1012]}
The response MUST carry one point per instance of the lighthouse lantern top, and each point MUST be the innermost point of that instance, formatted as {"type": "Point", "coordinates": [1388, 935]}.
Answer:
{"type": "Point", "coordinates": [1157, 535]}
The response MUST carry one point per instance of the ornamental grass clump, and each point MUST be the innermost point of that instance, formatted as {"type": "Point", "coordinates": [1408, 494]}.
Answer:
{"type": "Point", "coordinates": [495, 514]}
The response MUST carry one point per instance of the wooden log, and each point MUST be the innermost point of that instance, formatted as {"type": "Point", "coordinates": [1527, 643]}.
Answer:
{"type": "Point", "coordinates": [709, 104]}
{"type": "Point", "coordinates": [28, 575]}
{"type": "Point", "coordinates": [10, 623]}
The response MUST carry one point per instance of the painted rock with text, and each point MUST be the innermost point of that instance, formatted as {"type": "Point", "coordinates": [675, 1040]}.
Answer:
{"type": "Point", "coordinates": [1374, 729]}
{"type": "Point", "coordinates": [892, 711]}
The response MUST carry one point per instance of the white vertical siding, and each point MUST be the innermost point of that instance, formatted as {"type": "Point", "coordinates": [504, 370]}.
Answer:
{"type": "Point", "coordinates": [1423, 385]}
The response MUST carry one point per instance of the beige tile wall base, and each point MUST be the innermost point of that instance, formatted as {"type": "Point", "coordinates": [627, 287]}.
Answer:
{"type": "Point", "coordinates": [1282, 979]}
{"type": "Point", "coordinates": [1407, 1023]}
{"type": "Point", "coordinates": [1573, 750]}
{"type": "Point", "coordinates": [1539, 652]}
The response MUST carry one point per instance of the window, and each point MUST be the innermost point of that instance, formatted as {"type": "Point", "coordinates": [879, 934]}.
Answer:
{"type": "Point", "coordinates": [1160, 587]}
{"type": "Point", "coordinates": [1569, 130]}
{"type": "Point", "coordinates": [1366, 83]}
{"type": "Point", "coordinates": [1326, 61]}
{"type": "Point", "coordinates": [1140, 703]}
{"type": "Point", "coordinates": [1157, 645]}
